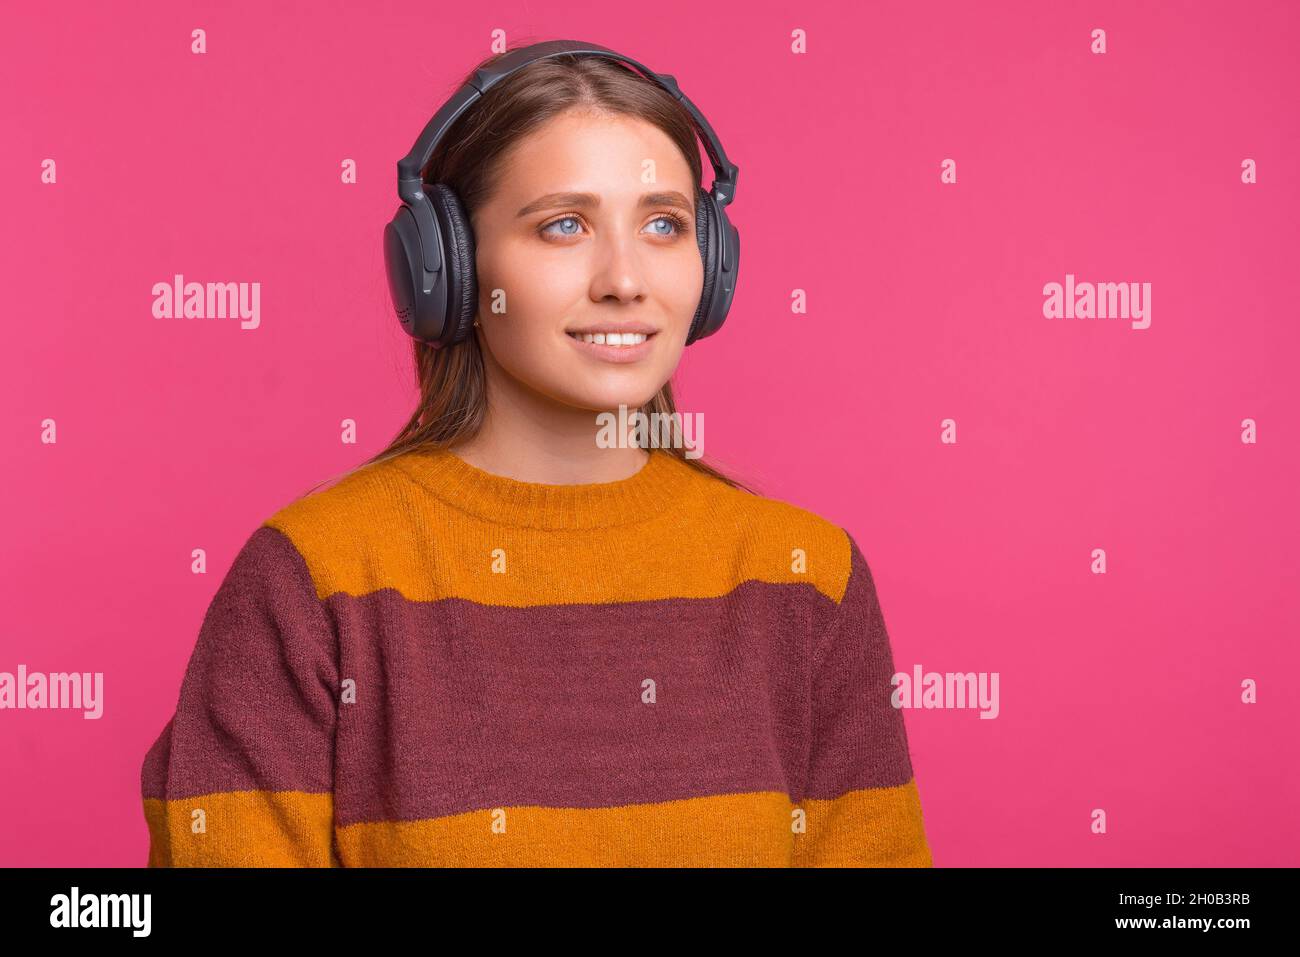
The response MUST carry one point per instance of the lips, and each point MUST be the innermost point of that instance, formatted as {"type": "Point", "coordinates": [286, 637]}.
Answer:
{"type": "Point", "coordinates": [643, 328]}
{"type": "Point", "coordinates": [616, 353]}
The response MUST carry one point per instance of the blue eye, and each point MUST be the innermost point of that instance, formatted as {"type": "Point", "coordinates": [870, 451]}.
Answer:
{"type": "Point", "coordinates": [565, 219]}
{"type": "Point", "coordinates": [676, 222]}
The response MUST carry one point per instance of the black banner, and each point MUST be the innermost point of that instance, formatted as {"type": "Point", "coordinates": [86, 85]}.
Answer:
{"type": "Point", "coordinates": [1160, 906]}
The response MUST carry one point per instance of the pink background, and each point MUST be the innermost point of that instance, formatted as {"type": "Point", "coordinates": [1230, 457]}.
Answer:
{"type": "Point", "coordinates": [1119, 691]}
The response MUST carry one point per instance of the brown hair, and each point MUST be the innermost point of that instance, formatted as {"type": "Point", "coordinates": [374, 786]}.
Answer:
{"type": "Point", "coordinates": [451, 380]}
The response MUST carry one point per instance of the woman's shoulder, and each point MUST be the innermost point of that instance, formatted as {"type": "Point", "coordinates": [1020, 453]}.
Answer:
{"type": "Point", "coordinates": [788, 541]}
{"type": "Point", "coordinates": [366, 489]}
{"type": "Point", "coordinates": [340, 530]}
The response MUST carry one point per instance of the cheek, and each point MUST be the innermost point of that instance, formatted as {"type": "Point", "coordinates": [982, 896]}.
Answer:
{"type": "Point", "coordinates": [695, 268]}
{"type": "Point", "coordinates": [528, 286]}
{"type": "Point", "coordinates": [682, 284]}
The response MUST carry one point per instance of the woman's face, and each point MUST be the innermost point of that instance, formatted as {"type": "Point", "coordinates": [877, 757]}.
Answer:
{"type": "Point", "coordinates": [623, 256]}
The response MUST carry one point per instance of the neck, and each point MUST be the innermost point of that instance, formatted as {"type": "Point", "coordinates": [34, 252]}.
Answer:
{"type": "Point", "coordinates": [531, 437]}
{"type": "Point", "coordinates": [542, 457]}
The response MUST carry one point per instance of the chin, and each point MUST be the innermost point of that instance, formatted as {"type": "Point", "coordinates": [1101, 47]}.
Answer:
{"type": "Point", "coordinates": [603, 399]}
{"type": "Point", "coordinates": [607, 403]}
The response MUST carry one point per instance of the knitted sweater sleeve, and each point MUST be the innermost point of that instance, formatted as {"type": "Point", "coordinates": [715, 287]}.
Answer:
{"type": "Point", "coordinates": [242, 773]}
{"type": "Point", "coordinates": [860, 801]}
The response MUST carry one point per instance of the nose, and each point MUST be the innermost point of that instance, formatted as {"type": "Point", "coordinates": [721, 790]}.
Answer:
{"type": "Point", "coordinates": [618, 273]}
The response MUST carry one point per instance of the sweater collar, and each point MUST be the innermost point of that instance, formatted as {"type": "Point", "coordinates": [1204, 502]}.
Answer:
{"type": "Point", "coordinates": [660, 482]}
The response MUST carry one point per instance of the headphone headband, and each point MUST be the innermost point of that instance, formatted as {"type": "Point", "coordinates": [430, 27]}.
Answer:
{"type": "Point", "coordinates": [409, 168]}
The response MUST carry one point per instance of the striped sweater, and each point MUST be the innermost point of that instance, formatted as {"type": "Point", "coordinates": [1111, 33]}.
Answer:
{"type": "Point", "coordinates": [431, 665]}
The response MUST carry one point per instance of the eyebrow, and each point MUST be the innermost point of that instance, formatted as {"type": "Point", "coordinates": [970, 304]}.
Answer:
{"type": "Point", "coordinates": [552, 200]}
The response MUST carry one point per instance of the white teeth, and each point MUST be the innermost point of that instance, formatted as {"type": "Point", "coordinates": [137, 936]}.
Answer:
{"type": "Point", "coordinates": [611, 338]}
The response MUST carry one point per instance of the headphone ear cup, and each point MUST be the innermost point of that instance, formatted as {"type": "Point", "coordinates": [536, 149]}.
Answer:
{"type": "Point", "coordinates": [462, 278]}
{"type": "Point", "coordinates": [403, 264]}
{"type": "Point", "coordinates": [704, 226]}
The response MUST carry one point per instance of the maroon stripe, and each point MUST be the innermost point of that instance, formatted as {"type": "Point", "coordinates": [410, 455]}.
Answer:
{"type": "Point", "coordinates": [464, 706]}
{"type": "Point", "coordinates": [257, 704]}
{"type": "Point", "coordinates": [859, 740]}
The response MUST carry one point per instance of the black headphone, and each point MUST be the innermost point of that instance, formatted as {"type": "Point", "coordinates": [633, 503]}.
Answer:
{"type": "Point", "coordinates": [429, 245]}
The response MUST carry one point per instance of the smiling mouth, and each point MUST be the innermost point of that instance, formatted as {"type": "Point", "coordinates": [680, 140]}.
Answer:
{"type": "Point", "coordinates": [616, 339]}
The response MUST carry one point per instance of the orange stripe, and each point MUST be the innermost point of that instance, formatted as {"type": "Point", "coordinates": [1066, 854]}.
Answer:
{"type": "Point", "coordinates": [360, 536]}
{"type": "Point", "coordinates": [876, 827]}
{"type": "Point", "coordinates": [724, 830]}
{"type": "Point", "coordinates": [242, 829]}
{"type": "Point", "coordinates": [866, 828]}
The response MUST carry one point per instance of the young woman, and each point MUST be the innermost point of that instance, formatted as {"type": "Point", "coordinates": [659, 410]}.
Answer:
{"type": "Point", "coordinates": [507, 640]}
